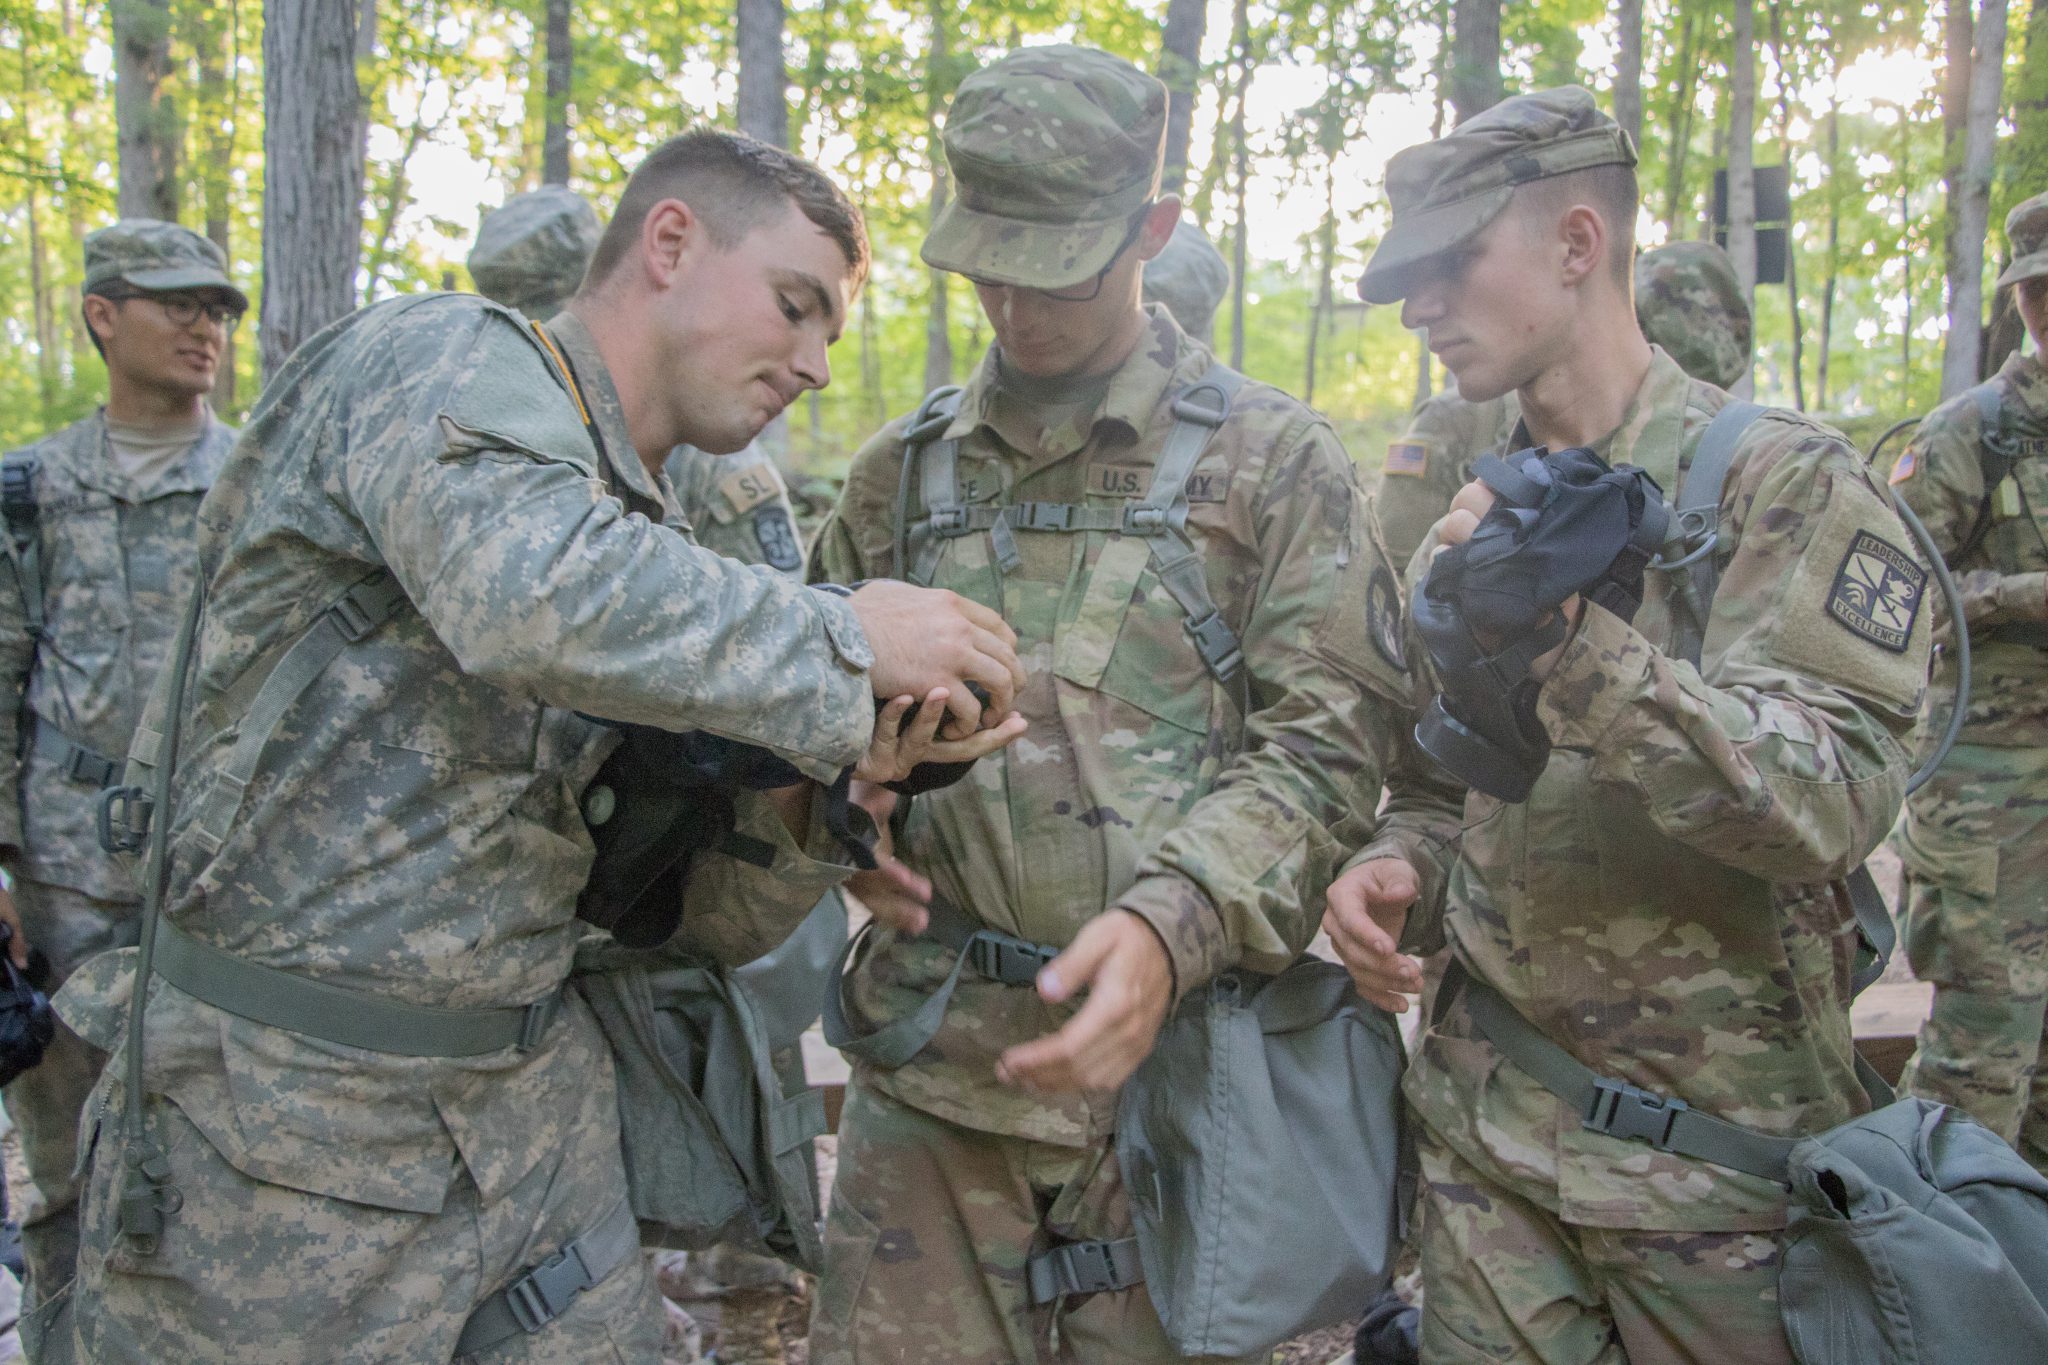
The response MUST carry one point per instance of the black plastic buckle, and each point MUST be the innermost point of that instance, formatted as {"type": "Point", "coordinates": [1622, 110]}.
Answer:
{"type": "Point", "coordinates": [1010, 961]}
{"type": "Point", "coordinates": [90, 768]}
{"type": "Point", "coordinates": [1217, 643]}
{"type": "Point", "coordinates": [124, 814]}
{"type": "Point", "coordinates": [351, 618]}
{"type": "Point", "coordinates": [1624, 1111]}
{"type": "Point", "coordinates": [545, 1292]}
{"type": "Point", "coordinates": [539, 1015]}
{"type": "Point", "coordinates": [950, 521]}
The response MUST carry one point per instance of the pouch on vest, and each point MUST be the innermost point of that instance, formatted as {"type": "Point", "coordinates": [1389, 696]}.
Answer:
{"type": "Point", "coordinates": [1262, 1148]}
{"type": "Point", "coordinates": [713, 1150]}
{"type": "Point", "coordinates": [1916, 1236]}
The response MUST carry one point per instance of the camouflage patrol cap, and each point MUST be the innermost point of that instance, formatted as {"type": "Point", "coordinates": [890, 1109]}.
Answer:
{"type": "Point", "coordinates": [1690, 303]}
{"type": "Point", "coordinates": [531, 251]}
{"type": "Point", "coordinates": [1053, 150]}
{"type": "Point", "coordinates": [2026, 228]}
{"type": "Point", "coordinates": [152, 254]}
{"type": "Point", "coordinates": [1443, 193]}
{"type": "Point", "coordinates": [1190, 278]}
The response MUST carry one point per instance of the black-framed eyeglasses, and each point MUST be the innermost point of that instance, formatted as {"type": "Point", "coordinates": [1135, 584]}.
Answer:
{"type": "Point", "coordinates": [184, 309]}
{"type": "Point", "coordinates": [1087, 291]}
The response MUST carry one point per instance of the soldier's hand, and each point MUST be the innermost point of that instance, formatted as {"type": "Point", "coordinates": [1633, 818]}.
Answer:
{"type": "Point", "coordinates": [925, 638]}
{"type": "Point", "coordinates": [1366, 910]}
{"type": "Point", "coordinates": [17, 941]}
{"type": "Point", "coordinates": [1119, 958]}
{"type": "Point", "coordinates": [896, 748]}
{"type": "Point", "coordinates": [892, 893]}
{"type": "Point", "coordinates": [1468, 508]}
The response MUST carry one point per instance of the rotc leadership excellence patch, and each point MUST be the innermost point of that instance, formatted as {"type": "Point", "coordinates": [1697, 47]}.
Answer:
{"type": "Point", "coordinates": [1877, 592]}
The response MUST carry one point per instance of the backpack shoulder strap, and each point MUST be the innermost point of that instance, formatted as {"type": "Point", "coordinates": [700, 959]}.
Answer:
{"type": "Point", "coordinates": [22, 514]}
{"type": "Point", "coordinates": [932, 464]}
{"type": "Point", "coordinates": [1699, 515]}
{"type": "Point", "coordinates": [1995, 458]}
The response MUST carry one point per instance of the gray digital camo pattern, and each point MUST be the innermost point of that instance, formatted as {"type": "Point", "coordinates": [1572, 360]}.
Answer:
{"type": "Point", "coordinates": [1973, 841]}
{"type": "Point", "coordinates": [1661, 905]}
{"type": "Point", "coordinates": [738, 506]}
{"type": "Point", "coordinates": [531, 251]}
{"type": "Point", "coordinates": [152, 254]}
{"type": "Point", "coordinates": [1190, 277]}
{"type": "Point", "coordinates": [413, 831]}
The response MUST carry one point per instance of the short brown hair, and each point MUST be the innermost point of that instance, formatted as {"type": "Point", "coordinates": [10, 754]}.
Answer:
{"type": "Point", "coordinates": [1611, 189]}
{"type": "Point", "coordinates": [734, 184]}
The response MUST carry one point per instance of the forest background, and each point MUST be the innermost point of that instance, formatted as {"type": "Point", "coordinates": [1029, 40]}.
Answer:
{"type": "Point", "coordinates": [342, 151]}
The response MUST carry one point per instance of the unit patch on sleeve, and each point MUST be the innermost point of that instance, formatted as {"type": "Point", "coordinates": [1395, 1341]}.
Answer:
{"type": "Point", "coordinates": [1383, 618]}
{"type": "Point", "coordinates": [1877, 592]}
{"type": "Point", "coordinates": [1406, 458]}
{"type": "Point", "coordinates": [772, 527]}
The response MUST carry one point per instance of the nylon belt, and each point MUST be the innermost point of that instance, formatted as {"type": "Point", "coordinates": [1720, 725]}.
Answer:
{"type": "Point", "coordinates": [1084, 1268]}
{"type": "Point", "coordinates": [545, 1292]}
{"type": "Point", "coordinates": [77, 762]}
{"type": "Point", "coordinates": [301, 1004]}
{"type": "Point", "coordinates": [990, 953]}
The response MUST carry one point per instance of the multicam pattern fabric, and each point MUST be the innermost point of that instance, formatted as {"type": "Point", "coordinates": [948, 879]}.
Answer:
{"type": "Point", "coordinates": [1661, 905]}
{"type": "Point", "coordinates": [1690, 303]}
{"type": "Point", "coordinates": [1190, 277]}
{"type": "Point", "coordinates": [117, 566]}
{"type": "Point", "coordinates": [413, 831]}
{"type": "Point", "coordinates": [2026, 231]}
{"type": "Point", "coordinates": [1972, 842]}
{"type": "Point", "coordinates": [1445, 434]}
{"type": "Point", "coordinates": [1138, 785]}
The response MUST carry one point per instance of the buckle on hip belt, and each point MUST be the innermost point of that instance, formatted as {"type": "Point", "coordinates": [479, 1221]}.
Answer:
{"type": "Point", "coordinates": [545, 1292]}
{"type": "Point", "coordinates": [1009, 960]}
{"type": "Point", "coordinates": [1626, 1111]}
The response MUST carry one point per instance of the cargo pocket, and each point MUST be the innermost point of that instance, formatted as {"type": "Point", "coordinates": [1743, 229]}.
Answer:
{"type": "Point", "coordinates": [850, 1240]}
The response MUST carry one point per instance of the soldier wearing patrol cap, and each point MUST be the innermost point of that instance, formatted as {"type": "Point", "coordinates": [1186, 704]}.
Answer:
{"type": "Point", "coordinates": [1687, 301]}
{"type": "Point", "coordinates": [1974, 842]}
{"type": "Point", "coordinates": [1189, 277]}
{"type": "Point", "coordinates": [1659, 918]}
{"type": "Point", "coordinates": [99, 522]}
{"type": "Point", "coordinates": [1199, 735]}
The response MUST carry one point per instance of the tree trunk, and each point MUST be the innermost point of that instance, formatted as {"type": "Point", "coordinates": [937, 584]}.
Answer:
{"type": "Point", "coordinates": [561, 82]}
{"type": "Point", "coordinates": [145, 120]}
{"type": "Point", "coordinates": [218, 49]}
{"type": "Point", "coordinates": [2025, 155]}
{"type": "Point", "coordinates": [763, 81]}
{"type": "Point", "coordinates": [1970, 203]}
{"type": "Point", "coordinates": [1741, 164]}
{"type": "Point", "coordinates": [1180, 67]}
{"type": "Point", "coordinates": [1326, 252]}
{"type": "Point", "coordinates": [1475, 57]}
{"type": "Point", "coordinates": [1791, 246]}
{"type": "Point", "coordinates": [938, 331]}
{"type": "Point", "coordinates": [1678, 124]}
{"type": "Point", "coordinates": [313, 135]}
{"type": "Point", "coordinates": [1628, 69]}
{"type": "Point", "coordinates": [1241, 166]}
{"type": "Point", "coordinates": [76, 142]}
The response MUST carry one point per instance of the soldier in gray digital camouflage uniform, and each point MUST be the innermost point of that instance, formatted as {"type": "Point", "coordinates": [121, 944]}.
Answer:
{"type": "Point", "coordinates": [1687, 301]}
{"type": "Point", "coordinates": [1190, 277]}
{"type": "Point", "coordinates": [436, 553]}
{"type": "Point", "coordinates": [94, 578]}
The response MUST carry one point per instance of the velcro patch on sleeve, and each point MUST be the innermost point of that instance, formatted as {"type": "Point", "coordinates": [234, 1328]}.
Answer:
{"type": "Point", "coordinates": [745, 489]}
{"type": "Point", "coordinates": [777, 538]}
{"type": "Point", "coordinates": [1877, 592]}
{"type": "Point", "coordinates": [1407, 459]}
{"type": "Point", "coordinates": [1908, 465]}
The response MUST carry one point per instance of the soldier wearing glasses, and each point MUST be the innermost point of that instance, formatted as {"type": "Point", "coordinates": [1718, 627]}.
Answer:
{"type": "Point", "coordinates": [99, 520]}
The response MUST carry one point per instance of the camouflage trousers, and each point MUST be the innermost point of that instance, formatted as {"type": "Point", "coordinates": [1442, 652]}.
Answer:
{"type": "Point", "coordinates": [1974, 843]}
{"type": "Point", "coordinates": [1505, 1279]}
{"type": "Point", "coordinates": [44, 1101]}
{"type": "Point", "coordinates": [926, 1237]}
{"type": "Point", "coordinates": [249, 1271]}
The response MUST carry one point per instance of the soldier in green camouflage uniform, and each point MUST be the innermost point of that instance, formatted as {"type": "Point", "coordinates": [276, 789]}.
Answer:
{"type": "Point", "coordinates": [466, 505]}
{"type": "Point", "coordinates": [109, 563]}
{"type": "Point", "coordinates": [1664, 904]}
{"type": "Point", "coordinates": [1687, 301]}
{"type": "Point", "coordinates": [1974, 842]}
{"type": "Point", "coordinates": [1146, 829]}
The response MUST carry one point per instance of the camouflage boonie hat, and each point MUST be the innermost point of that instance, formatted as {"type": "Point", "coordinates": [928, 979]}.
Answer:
{"type": "Point", "coordinates": [1190, 278]}
{"type": "Point", "coordinates": [1053, 151]}
{"type": "Point", "coordinates": [1445, 192]}
{"type": "Point", "coordinates": [1690, 303]}
{"type": "Point", "coordinates": [531, 251]}
{"type": "Point", "coordinates": [2026, 228]}
{"type": "Point", "coordinates": [152, 254]}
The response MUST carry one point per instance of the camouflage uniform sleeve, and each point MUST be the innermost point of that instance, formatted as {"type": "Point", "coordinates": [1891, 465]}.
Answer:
{"type": "Point", "coordinates": [1240, 880]}
{"type": "Point", "coordinates": [17, 657]}
{"type": "Point", "coordinates": [736, 911]}
{"type": "Point", "coordinates": [1939, 476]}
{"type": "Point", "coordinates": [854, 543]}
{"type": "Point", "coordinates": [540, 581]}
{"type": "Point", "coordinates": [1785, 758]}
{"type": "Point", "coordinates": [1411, 499]}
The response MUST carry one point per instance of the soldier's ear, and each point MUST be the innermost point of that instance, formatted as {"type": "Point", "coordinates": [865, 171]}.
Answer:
{"type": "Point", "coordinates": [670, 236]}
{"type": "Point", "coordinates": [99, 317]}
{"type": "Point", "coordinates": [1160, 221]}
{"type": "Point", "coordinates": [1584, 237]}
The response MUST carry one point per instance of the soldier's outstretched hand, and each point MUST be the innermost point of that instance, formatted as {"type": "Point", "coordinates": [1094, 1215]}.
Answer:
{"type": "Point", "coordinates": [898, 748]}
{"type": "Point", "coordinates": [925, 638]}
{"type": "Point", "coordinates": [1119, 959]}
{"type": "Point", "coordinates": [1367, 907]}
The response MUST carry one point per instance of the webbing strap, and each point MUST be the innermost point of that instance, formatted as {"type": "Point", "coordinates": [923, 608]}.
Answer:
{"type": "Point", "coordinates": [18, 507]}
{"type": "Point", "coordinates": [359, 611]}
{"type": "Point", "coordinates": [1994, 466]}
{"type": "Point", "coordinates": [1084, 1268]}
{"type": "Point", "coordinates": [1696, 523]}
{"type": "Point", "coordinates": [81, 763]}
{"type": "Point", "coordinates": [544, 1293]}
{"type": "Point", "coordinates": [990, 953]}
{"type": "Point", "coordinates": [301, 1004]}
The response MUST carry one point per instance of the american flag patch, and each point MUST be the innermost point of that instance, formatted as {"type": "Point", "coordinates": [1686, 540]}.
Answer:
{"type": "Point", "coordinates": [1405, 458]}
{"type": "Point", "coordinates": [1905, 468]}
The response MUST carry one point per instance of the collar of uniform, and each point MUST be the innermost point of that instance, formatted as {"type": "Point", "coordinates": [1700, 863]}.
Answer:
{"type": "Point", "coordinates": [1135, 393]}
{"type": "Point", "coordinates": [2026, 379]}
{"type": "Point", "coordinates": [92, 463]}
{"type": "Point", "coordinates": [1652, 430]}
{"type": "Point", "coordinates": [601, 396]}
